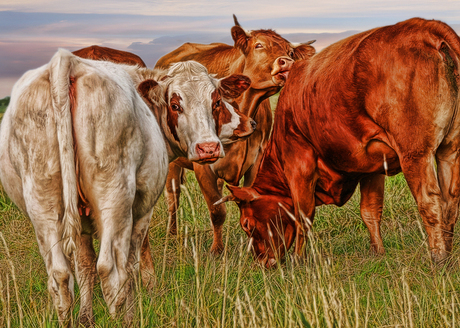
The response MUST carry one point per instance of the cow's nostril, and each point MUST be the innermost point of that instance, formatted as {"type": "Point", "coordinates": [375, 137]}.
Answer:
{"type": "Point", "coordinates": [281, 62]}
{"type": "Point", "coordinates": [208, 149]}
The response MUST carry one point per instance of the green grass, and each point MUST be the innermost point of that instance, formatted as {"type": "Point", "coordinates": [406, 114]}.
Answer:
{"type": "Point", "coordinates": [3, 104]}
{"type": "Point", "coordinates": [339, 284]}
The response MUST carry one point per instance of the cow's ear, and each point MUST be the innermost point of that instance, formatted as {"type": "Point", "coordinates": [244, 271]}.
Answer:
{"type": "Point", "coordinates": [303, 50]}
{"type": "Point", "coordinates": [231, 87]}
{"type": "Point", "coordinates": [241, 38]}
{"type": "Point", "coordinates": [145, 87]}
{"type": "Point", "coordinates": [244, 194]}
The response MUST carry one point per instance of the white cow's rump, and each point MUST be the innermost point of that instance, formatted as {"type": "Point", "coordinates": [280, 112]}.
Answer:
{"type": "Point", "coordinates": [82, 153]}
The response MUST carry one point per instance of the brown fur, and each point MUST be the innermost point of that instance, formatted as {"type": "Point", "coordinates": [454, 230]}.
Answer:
{"type": "Point", "coordinates": [114, 55]}
{"type": "Point", "coordinates": [376, 103]}
{"type": "Point", "coordinates": [242, 158]}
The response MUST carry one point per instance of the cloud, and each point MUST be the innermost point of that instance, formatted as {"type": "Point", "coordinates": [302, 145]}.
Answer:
{"type": "Point", "coordinates": [255, 9]}
{"type": "Point", "coordinates": [152, 28]}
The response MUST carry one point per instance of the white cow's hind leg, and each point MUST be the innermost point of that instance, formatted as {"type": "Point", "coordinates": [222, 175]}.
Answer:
{"type": "Point", "coordinates": [112, 265]}
{"type": "Point", "coordinates": [60, 278]}
{"type": "Point", "coordinates": [139, 233]}
{"type": "Point", "coordinates": [43, 203]}
{"type": "Point", "coordinates": [85, 271]}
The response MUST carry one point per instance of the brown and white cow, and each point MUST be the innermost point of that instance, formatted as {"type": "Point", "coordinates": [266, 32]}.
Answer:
{"type": "Point", "coordinates": [374, 104]}
{"type": "Point", "coordinates": [84, 153]}
{"type": "Point", "coordinates": [231, 125]}
{"type": "Point", "coordinates": [266, 58]}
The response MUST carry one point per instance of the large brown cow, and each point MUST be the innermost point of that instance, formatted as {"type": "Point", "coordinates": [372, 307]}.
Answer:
{"type": "Point", "coordinates": [374, 104]}
{"type": "Point", "coordinates": [265, 57]}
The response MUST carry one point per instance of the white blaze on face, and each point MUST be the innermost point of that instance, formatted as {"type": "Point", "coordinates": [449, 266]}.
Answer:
{"type": "Point", "coordinates": [190, 111]}
{"type": "Point", "coordinates": [228, 128]}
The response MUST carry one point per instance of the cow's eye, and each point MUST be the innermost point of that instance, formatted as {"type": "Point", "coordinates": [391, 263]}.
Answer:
{"type": "Point", "coordinates": [175, 108]}
{"type": "Point", "coordinates": [291, 54]}
{"type": "Point", "coordinates": [217, 104]}
{"type": "Point", "coordinates": [259, 46]}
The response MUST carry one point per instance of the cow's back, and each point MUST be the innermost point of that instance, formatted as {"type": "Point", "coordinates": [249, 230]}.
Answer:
{"type": "Point", "coordinates": [104, 53]}
{"type": "Point", "coordinates": [215, 56]}
{"type": "Point", "coordinates": [369, 99]}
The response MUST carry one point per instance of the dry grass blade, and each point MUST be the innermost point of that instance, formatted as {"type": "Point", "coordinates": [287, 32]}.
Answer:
{"type": "Point", "coordinates": [13, 275]}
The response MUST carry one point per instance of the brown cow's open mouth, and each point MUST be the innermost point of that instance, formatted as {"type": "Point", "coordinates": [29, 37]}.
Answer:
{"type": "Point", "coordinates": [280, 78]}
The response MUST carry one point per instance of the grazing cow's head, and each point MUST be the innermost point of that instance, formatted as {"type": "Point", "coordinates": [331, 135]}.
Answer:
{"type": "Point", "coordinates": [194, 112]}
{"type": "Point", "coordinates": [268, 56]}
{"type": "Point", "coordinates": [270, 229]}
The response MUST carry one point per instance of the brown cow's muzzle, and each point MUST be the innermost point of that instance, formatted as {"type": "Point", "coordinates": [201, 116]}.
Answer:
{"type": "Point", "coordinates": [280, 70]}
{"type": "Point", "coordinates": [244, 130]}
{"type": "Point", "coordinates": [208, 152]}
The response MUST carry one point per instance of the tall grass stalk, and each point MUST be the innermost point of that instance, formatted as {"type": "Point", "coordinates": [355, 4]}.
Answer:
{"type": "Point", "coordinates": [339, 283]}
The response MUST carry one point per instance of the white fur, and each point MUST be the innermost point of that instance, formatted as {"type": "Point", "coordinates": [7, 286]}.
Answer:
{"type": "Point", "coordinates": [122, 159]}
{"type": "Point", "coordinates": [227, 129]}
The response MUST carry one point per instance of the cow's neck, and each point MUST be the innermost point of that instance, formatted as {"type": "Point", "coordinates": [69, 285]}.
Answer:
{"type": "Point", "coordinates": [250, 100]}
{"type": "Point", "coordinates": [270, 179]}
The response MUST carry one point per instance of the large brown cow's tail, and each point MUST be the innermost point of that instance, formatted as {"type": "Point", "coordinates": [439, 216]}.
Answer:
{"type": "Point", "coordinates": [70, 226]}
{"type": "Point", "coordinates": [449, 49]}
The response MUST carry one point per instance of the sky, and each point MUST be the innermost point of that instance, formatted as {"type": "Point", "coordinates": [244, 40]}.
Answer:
{"type": "Point", "coordinates": [31, 31]}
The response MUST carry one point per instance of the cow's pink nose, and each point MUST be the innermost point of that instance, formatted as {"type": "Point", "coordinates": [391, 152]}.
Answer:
{"type": "Point", "coordinates": [208, 150]}
{"type": "Point", "coordinates": [284, 62]}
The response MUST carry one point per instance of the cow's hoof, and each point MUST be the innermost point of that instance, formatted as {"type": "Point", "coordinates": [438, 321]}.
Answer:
{"type": "Point", "coordinates": [439, 256]}
{"type": "Point", "coordinates": [377, 250]}
{"type": "Point", "coordinates": [85, 321]}
{"type": "Point", "coordinates": [217, 249]}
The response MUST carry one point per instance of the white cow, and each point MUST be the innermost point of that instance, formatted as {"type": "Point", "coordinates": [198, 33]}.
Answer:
{"type": "Point", "coordinates": [82, 153]}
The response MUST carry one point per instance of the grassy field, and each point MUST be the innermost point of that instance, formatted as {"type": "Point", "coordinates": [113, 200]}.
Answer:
{"type": "Point", "coordinates": [339, 284]}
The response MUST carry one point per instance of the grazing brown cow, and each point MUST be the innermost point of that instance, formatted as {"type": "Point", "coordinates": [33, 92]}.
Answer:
{"type": "Point", "coordinates": [266, 58]}
{"type": "Point", "coordinates": [374, 104]}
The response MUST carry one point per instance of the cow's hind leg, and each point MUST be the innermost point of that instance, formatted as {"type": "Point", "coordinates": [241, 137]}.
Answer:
{"type": "Point", "coordinates": [372, 190]}
{"type": "Point", "coordinates": [448, 164]}
{"type": "Point", "coordinates": [115, 229]}
{"type": "Point", "coordinates": [85, 271]}
{"type": "Point", "coordinates": [139, 234]}
{"type": "Point", "coordinates": [60, 278]}
{"type": "Point", "coordinates": [421, 177]}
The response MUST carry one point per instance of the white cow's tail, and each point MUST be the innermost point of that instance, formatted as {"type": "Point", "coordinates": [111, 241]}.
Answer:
{"type": "Point", "coordinates": [60, 67]}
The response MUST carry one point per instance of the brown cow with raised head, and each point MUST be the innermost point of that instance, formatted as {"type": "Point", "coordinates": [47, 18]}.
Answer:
{"type": "Point", "coordinates": [374, 104]}
{"type": "Point", "coordinates": [266, 58]}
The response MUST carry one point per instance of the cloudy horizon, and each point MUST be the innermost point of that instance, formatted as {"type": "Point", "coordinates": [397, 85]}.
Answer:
{"type": "Point", "coordinates": [33, 30]}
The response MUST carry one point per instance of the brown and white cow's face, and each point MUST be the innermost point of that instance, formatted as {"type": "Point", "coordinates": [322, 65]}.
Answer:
{"type": "Point", "coordinates": [196, 116]}
{"type": "Point", "coordinates": [268, 56]}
